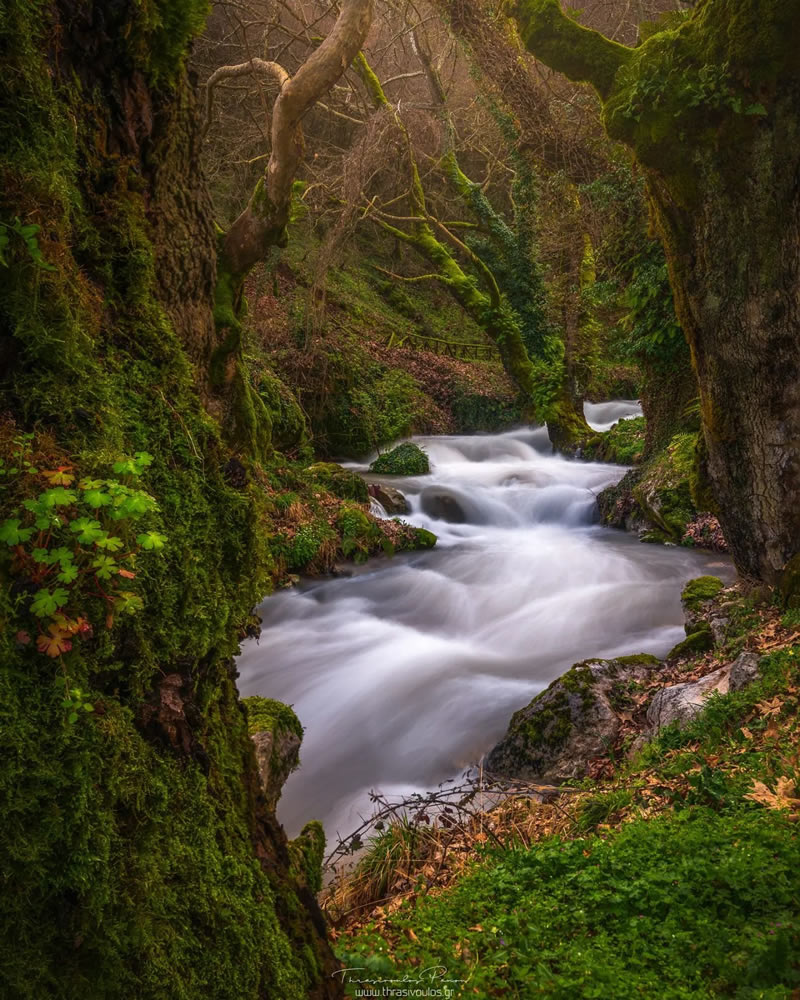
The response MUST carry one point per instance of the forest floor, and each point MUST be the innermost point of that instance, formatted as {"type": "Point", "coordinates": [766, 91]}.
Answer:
{"type": "Point", "coordinates": [672, 872]}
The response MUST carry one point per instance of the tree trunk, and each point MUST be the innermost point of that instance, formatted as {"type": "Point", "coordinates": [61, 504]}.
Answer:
{"type": "Point", "coordinates": [734, 261]}
{"type": "Point", "coordinates": [711, 111]}
{"type": "Point", "coordinates": [139, 857]}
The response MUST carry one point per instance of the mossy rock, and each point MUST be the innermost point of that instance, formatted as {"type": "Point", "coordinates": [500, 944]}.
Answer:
{"type": "Point", "coordinates": [276, 734]}
{"type": "Point", "coordinates": [342, 483]}
{"type": "Point", "coordinates": [289, 425]}
{"type": "Point", "coordinates": [406, 459]}
{"type": "Point", "coordinates": [700, 641]}
{"type": "Point", "coordinates": [664, 491]}
{"type": "Point", "coordinates": [423, 539]}
{"type": "Point", "coordinates": [622, 444]}
{"type": "Point", "coordinates": [554, 738]}
{"type": "Point", "coordinates": [701, 589]}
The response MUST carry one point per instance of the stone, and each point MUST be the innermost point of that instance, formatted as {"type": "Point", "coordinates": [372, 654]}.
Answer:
{"type": "Point", "coordinates": [441, 506]}
{"type": "Point", "coordinates": [744, 670]}
{"type": "Point", "coordinates": [555, 737]}
{"type": "Point", "coordinates": [391, 499]}
{"type": "Point", "coordinates": [683, 702]}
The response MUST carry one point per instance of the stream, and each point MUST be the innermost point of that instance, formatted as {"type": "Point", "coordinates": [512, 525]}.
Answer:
{"type": "Point", "coordinates": [407, 671]}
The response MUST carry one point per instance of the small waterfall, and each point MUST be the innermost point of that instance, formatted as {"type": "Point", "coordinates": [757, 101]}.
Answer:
{"type": "Point", "coordinates": [410, 669]}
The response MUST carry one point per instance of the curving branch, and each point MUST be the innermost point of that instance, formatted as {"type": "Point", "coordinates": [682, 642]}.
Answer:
{"type": "Point", "coordinates": [262, 224]}
{"type": "Point", "coordinates": [579, 53]}
{"type": "Point", "coordinates": [256, 67]}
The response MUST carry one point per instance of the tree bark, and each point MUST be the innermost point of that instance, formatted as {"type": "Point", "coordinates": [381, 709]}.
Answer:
{"type": "Point", "coordinates": [262, 224]}
{"type": "Point", "coordinates": [711, 112]}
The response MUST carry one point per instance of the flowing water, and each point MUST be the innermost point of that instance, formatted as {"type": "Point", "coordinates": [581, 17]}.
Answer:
{"type": "Point", "coordinates": [409, 670]}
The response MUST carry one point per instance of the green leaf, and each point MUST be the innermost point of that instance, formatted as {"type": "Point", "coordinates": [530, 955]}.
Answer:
{"type": "Point", "coordinates": [134, 505]}
{"type": "Point", "coordinates": [88, 531]}
{"type": "Point", "coordinates": [12, 533]}
{"type": "Point", "coordinates": [151, 540]}
{"type": "Point", "coordinates": [59, 496]}
{"type": "Point", "coordinates": [105, 567]}
{"type": "Point", "coordinates": [47, 603]}
{"type": "Point", "coordinates": [112, 543]}
{"type": "Point", "coordinates": [128, 603]}
{"type": "Point", "coordinates": [143, 459]}
{"type": "Point", "coordinates": [88, 706]}
{"type": "Point", "coordinates": [68, 574]}
{"type": "Point", "coordinates": [72, 718]}
{"type": "Point", "coordinates": [96, 498]}
{"type": "Point", "coordinates": [755, 109]}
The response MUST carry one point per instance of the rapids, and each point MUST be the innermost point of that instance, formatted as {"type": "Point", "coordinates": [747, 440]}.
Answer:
{"type": "Point", "coordinates": [410, 669]}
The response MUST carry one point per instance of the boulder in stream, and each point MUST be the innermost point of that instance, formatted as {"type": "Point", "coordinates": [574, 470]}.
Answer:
{"type": "Point", "coordinates": [391, 499]}
{"type": "Point", "coordinates": [554, 738]}
{"type": "Point", "coordinates": [407, 459]}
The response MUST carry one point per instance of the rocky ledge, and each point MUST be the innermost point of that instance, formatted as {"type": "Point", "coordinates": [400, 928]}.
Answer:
{"type": "Point", "coordinates": [603, 707]}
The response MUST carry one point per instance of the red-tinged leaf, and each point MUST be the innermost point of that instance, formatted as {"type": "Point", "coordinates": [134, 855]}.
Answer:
{"type": "Point", "coordinates": [23, 638]}
{"type": "Point", "coordinates": [55, 642]}
{"type": "Point", "coordinates": [60, 476]}
{"type": "Point", "coordinates": [127, 574]}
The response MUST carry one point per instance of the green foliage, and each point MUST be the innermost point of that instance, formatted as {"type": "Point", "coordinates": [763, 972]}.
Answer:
{"type": "Point", "coordinates": [406, 459]}
{"type": "Point", "coordinates": [654, 334]}
{"type": "Point", "coordinates": [386, 409]}
{"type": "Point", "coordinates": [699, 901]}
{"type": "Point", "coordinates": [56, 541]}
{"type": "Point", "coordinates": [75, 702]}
{"type": "Point", "coordinates": [677, 906]}
{"type": "Point", "coordinates": [622, 444]}
{"type": "Point", "coordinates": [27, 235]}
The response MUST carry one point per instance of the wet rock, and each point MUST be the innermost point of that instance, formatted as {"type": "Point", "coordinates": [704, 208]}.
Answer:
{"type": "Point", "coordinates": [391, 499]}
{"type": "Point", "coordinates": [554, 738]}
{"type": "Point", "coordinates": [442, 506]}
{"type": "Point", "coordinates": [683, 702]}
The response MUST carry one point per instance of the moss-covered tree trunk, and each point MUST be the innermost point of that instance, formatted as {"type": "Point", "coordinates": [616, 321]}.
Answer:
{"type": "Point", "coordinates": [712, 112]}
{"type": "Point", "coordinates": [138, 855]}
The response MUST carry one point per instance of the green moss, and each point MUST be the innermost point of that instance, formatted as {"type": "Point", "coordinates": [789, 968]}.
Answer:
{"type": "Point", "coordinates": [568, 47]}
{"type": "Point", "coordinates": [701, 589]}
{"type": "Point", "coordinates": [342, 483]}
{"type": "Point", "coordinates": [700, 641]}
{"type": "Point", "coordinates": [265, 715]}
{"type": "Point", "coordinates": [136, 858]}
{"type": "Point", "coordinates": [622, 444]}
{"type": "Point", "coordinates": [644, 658]}
{"type": "Point", "coordinates": [306, 854]}
{"type": "Point", "coordinates": [405, 460]}
{"type": "Point", "coordinates": [423, 539]}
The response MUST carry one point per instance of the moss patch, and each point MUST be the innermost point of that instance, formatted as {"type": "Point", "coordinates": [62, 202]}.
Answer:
{"type": "Point", "coordinates": [701, 589]}
{"type": "Point", "coordinates": [405, 460]}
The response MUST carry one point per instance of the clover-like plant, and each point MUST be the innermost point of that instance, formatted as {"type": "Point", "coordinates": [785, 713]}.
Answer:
{"type": "Point", "coordinates": [76, 541]}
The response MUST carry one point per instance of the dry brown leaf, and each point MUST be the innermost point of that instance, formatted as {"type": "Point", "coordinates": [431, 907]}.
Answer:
{"type": "Point", "coordinates": [779, 799]}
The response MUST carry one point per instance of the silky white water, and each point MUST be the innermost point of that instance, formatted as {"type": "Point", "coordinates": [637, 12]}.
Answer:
{"type": "Point", "coordinates": [409, 670]}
